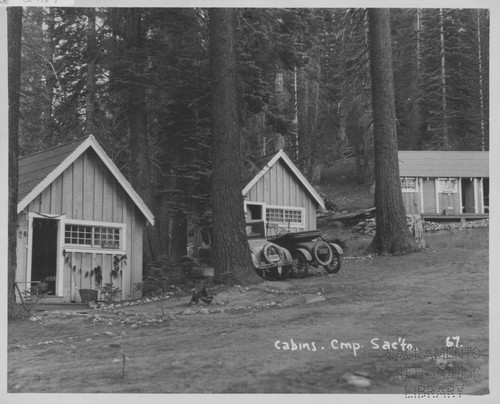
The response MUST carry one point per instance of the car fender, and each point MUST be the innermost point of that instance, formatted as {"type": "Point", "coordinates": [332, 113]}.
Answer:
{"type": "Point", "coordinates": [255, 260]}
{"type": "Point", "coordinates": [307, 255]}
{"type": "Point", "coordinates": [336, 248]}
{"type": "Point", "coordinates": [288, 256]}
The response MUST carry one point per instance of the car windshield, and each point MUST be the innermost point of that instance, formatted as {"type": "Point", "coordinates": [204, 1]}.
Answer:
{"type": "Point", "coordinates": [256, 229]}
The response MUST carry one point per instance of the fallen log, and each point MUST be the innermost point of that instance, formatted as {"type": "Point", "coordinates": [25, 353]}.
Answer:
{"type": "Point", "coordinates": [363, 214]}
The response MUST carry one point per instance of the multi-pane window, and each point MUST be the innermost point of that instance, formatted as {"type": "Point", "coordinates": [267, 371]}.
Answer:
{"type": "Point", "coordinates": [92, 236]}
{"type": "Point", "coordinates": [448, 186]}
{"type": "Point", "coordinates": [284, 215]}
{"type": "Point", "coordinates": [293, 216]}
{"type": "Point", "coordinates": [274, 215]}
{"type": "Point", "coordinates": [409, 184]}
{"type": "Point", "coordinates": [107, 236]}
{"type": "Point", "coordinates": [81, 235]}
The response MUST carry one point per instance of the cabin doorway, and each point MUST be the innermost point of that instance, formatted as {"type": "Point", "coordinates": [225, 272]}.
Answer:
{"type": "Point", "coordinates": [486, 195]}
{"type": "Point", "coordinates": [44, 252]}
{"type": "Point", "coordinates": [254, 211]}
{"type": "Point", "coordinates": [468, 199]}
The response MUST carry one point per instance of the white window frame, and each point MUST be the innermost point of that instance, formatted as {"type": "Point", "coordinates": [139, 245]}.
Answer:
{"type": "Point", "coordinates": [60, 241]}
{"type": "Point", "coordinates": [447, 190]}
{"type": "Point", "coordinates": [95, 249]}
{"type": "Point", "coordinates": [412, 190]}
{"type": "Point", "coordinates": [261, 204]}
{"type": "Point", "coordinates": [284, 224]}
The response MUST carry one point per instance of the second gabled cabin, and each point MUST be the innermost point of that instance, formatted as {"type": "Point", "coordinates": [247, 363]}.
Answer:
{"type": "Point", "coordinates": [276, 191]}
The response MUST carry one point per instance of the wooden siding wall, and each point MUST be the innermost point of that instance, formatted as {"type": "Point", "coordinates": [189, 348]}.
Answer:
{"type": "Point", "coordinates": [22, 250]}
{"type": "Point", "coordinates": [412, 202]}
{"type": "Point", "coordinates": [79, 265]}
{"type": "Point", "coordinates": [278, 187]}
{"type": "Point", "coordinates": [429, 190]}
{"type": "Point", "coordinates": [449, 202]}
{"type": "Point", "coordinates": [446, 201]}
{"type": "Point", "coordinates": [88, 191]}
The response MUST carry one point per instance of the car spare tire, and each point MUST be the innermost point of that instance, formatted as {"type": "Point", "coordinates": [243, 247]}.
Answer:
{"type": "Point", "coordinates": [272, 253]}
{"type": "Point", "coordinates": [322, 253]}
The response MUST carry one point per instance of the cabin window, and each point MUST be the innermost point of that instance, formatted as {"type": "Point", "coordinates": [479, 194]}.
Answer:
{"type": "Point", "coordinates": [285, 216]}
{"type": "Point", "coordinates": [92, 236]}
{"type": "Point", "coordinates": [448, 186]}
{"type": "Point", "coordinates": [409, 184]}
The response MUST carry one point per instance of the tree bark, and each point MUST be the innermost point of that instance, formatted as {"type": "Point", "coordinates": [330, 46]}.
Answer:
{"type": "Point", "coordinates": [50, 76]}
{"type": "Point", "coordinates": [139, 168]}
{"type": "Point", "coordinates": [231, 252]}
{"type": "Point", "coordinates": [444, 130]}
{"type": "Point", "coordinates": [14, 21]}
{"type": "Point", "coordinates": [178, 239]}
{"type": "Point", "coordinates": [392, 234]}
{"type": "Point", "coordinates": [308, 110]}
{"type": "Point", "coordinates": [414, 116]}
{"type": "Point", "coordinates": [91, 68]}
{"type": "Point", "coordinates": [481, 73]}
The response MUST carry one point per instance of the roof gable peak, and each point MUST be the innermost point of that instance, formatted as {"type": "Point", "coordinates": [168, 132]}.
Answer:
{"type": "Point", "coordinates": [281, 155]}
{"type": "Point", "coordinates": [88, 142]}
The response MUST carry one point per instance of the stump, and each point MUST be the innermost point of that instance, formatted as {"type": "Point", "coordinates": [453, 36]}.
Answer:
{"type": "Point", "coordinates": [415, 223]}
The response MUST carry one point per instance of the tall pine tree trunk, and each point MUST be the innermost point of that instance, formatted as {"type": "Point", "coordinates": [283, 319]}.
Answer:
{"type": "Point", "coordinates": [303, 133]}
{"type": "Point", "coordinates": [480, 84]}
{"type": "Point", "coordinates": [392, 234]}
{"type": "Point", "coordinates": [231, 252]}
{"type": "Point", "coordinates": [50, 76]}
{"type": "Point", "coordinates": [414, 118]}
{"type": "Point", "coordinates": [91, 68]}
{"type": "Point", "coordinates": [445, 141]}
{"type": "Point", "coordinates": [178, 239]}
{"type": "Point", "coordinates": [139, 168]}
{"type": "Point", "coordinates": [308, 110]}
{"type": "Point", "coordinates": [14, 22]}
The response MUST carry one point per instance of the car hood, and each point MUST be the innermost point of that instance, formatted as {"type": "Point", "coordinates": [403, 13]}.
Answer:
{"type": "Point", "coordinates": [257, 244]}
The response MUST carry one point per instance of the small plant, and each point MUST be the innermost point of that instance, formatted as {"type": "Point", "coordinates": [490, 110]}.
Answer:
{"type": "Point", "coordinates": [98, 275]}
{"type": "Point", "coordinates": [33, 296]}
{"type": "Point", "coordinates": [157, 282]}
{"type": "Point", "coordinates": [110, 292]}
{"type": "Point", "coordinates": [117, 260]}
{"type": "Point", "coordinates": [90, 274]}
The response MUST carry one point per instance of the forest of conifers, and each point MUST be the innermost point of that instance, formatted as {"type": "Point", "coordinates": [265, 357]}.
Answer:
{"type": "Point", "coordinates": [138, 80]}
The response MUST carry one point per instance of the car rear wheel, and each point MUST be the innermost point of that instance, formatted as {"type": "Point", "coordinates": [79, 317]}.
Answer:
{"type": "Point", "coordinates": [334, 266]}
{"type": "Point", "coordinates": [301, 268]}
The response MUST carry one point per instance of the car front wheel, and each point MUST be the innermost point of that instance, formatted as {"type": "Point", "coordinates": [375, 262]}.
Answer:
{"type": "Point", "coordinates": [334, 266]}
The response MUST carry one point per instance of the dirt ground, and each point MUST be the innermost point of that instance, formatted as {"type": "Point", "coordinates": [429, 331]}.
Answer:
{"type": "Point", "coordinates": [343, 333]}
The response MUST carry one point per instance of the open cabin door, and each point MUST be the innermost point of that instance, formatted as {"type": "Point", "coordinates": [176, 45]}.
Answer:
{"type": "Point", "coordinates": [468, 197]}
{"type": "Point", "coordinates": [44, 252]}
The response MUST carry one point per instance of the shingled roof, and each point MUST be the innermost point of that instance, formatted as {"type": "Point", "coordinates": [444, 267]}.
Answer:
{"type": "Point", "coordinates": [444, 164]}
{"type": "Point", "coordinates": [37, 171]}
{"type": "Point", "coordinates": [35, 167]}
